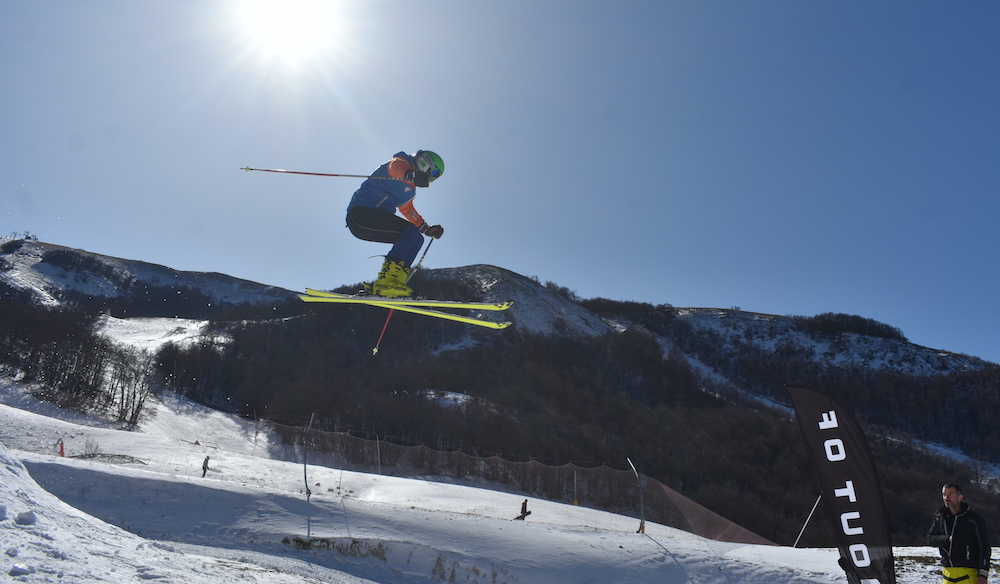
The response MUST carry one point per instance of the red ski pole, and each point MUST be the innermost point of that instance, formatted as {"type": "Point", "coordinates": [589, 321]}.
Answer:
{"type": "Point", "coordinates": [385, 326]}
{"type": "Point", "coordinates": [248, 169]}
{"type": "Point", "coordinates": [413, 271]}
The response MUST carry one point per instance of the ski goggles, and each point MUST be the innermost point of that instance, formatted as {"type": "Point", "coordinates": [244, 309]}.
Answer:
{"type": "Point", "coordinates": [425, 164]}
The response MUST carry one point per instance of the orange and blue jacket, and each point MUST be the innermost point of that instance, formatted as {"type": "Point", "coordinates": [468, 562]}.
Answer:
{"type": "Point", "coordinates": [390, 195]}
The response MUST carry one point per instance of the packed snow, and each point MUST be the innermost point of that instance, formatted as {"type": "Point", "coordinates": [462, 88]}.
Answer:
{"type": "Point", "coordinates": [125, 506]}
{"type": "Point", "coordinates": [149, 334]}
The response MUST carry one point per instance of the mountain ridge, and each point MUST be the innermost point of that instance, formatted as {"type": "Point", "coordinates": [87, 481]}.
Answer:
{"type": "Point", "coordinates": [27, 265]}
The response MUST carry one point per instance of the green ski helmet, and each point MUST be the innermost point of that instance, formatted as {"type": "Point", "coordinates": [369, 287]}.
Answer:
{"type": "Point", "coordinates": [430, 163]}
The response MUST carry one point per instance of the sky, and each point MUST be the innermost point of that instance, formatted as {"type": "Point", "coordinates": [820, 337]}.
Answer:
{"type": "Point", "coordinates": [782, 157]}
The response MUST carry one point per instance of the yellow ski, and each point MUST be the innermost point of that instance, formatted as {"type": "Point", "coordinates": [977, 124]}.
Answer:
{"type": "Point", "coordinates": [367, 299]}
{"type": "Point", "coordinates": [414, 306]}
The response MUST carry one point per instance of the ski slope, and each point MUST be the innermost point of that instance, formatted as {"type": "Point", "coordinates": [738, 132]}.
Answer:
{"type": "Point", "coordinates": [139, 509]}
{"type": "Point", "coordinates": [147, 513]}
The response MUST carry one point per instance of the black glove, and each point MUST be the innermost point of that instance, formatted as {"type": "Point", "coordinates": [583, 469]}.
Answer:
{"type": "Point", "coordinates": [418, 178]}
{"type": "Point", "coordinates": [435, 231]}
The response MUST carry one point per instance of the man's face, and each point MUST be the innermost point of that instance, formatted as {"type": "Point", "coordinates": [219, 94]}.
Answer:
{"type": "Point", "coordinates": [952, 500]}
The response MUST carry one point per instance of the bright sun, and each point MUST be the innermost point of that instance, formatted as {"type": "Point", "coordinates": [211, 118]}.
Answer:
{"type": "Point", "coordinates": [293, 30]}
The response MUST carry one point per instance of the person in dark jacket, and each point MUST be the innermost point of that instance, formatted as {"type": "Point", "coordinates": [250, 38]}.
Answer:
{"type": "Point", "coordinates": [962, 538]}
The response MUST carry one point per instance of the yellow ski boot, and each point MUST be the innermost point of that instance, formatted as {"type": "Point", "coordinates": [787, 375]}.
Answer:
{"type": "Point", "coordinates": [391, 282]}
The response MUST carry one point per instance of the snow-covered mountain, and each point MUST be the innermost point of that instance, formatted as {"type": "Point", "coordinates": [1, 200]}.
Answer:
{"type": "Point", "coordinates": [249, 518]}
{"type": "Point", "coordinates": [29, 265]}
{"type": "Point", "coordinates": [771, 333]}
{"type": "Point", "coordinates": [46, 270]}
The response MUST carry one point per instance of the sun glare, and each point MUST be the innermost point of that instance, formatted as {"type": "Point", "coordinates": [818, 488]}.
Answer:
{"type": "Point", "coordinates": [292, 30]}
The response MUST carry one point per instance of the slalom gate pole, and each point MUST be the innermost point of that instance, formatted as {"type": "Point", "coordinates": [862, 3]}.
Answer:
{"type": "Point", "coordinates": [305, 472]}
{"type": "Point", "coordinates": [642, 506]}
{"type": "Point", "coordinates": [392, 310]}
{"type": "Point", "coordinates": [248, 169]}
{"type": "Point", "coordinates": [305, 456]}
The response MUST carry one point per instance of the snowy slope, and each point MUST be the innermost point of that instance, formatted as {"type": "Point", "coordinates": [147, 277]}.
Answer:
{"type": "Point", "coordinates": [142, 510]}
{"type": "Point", "coordinates": [150, 334]}
{"type": "Point", "coordinates": [381, 528]}
{"type": "Point", "coordinates": [148, 514]}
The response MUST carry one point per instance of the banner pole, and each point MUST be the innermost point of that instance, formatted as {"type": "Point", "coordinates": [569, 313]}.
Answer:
{"type": "Point", "coordinates": [816, 504]}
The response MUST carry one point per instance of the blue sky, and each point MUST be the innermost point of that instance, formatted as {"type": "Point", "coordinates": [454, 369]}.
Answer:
{"type": "Point", "coordinates": [783, 157]}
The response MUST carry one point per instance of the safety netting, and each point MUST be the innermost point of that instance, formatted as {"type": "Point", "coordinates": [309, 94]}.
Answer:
{"type": "Point", "coordinates": [601, 487]}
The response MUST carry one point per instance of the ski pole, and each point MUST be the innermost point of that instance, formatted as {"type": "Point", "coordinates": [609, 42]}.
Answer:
{"type": "Point", "coordinates": [387, 318]}
{"type": "Point", "coordinates": [417, 267]}
{"type": "Point", "coordinates": [248, 169]}
{"type": "Point", "coordinates": [382, 334]}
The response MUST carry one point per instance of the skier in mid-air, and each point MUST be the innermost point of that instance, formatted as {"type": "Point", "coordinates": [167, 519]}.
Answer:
{"type": "Point", "coordinates": [371, 216]}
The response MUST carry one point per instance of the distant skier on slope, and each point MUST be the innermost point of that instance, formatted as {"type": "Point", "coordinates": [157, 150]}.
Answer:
{"type": "Point", "coordinates": [371, 216]}
{"type": "Point", "coordinates": [524, 511]}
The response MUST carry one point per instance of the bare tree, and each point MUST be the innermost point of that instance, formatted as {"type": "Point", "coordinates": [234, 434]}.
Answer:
{"type": "Point", "coordinates": [127, 383]}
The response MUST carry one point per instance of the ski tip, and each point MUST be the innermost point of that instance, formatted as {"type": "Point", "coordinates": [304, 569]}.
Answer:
{"type": "Point", "coordinates": [315, 292]}
{"type": "Point", "coordinates": [315, 298]}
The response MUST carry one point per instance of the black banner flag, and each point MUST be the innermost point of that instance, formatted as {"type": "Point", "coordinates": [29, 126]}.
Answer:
{"type": "Point", "coordinates": [849, 486]}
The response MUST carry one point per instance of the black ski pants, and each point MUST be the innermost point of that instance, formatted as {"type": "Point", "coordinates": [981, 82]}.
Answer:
{"type": "Point", "coordinates": [371, 224]}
